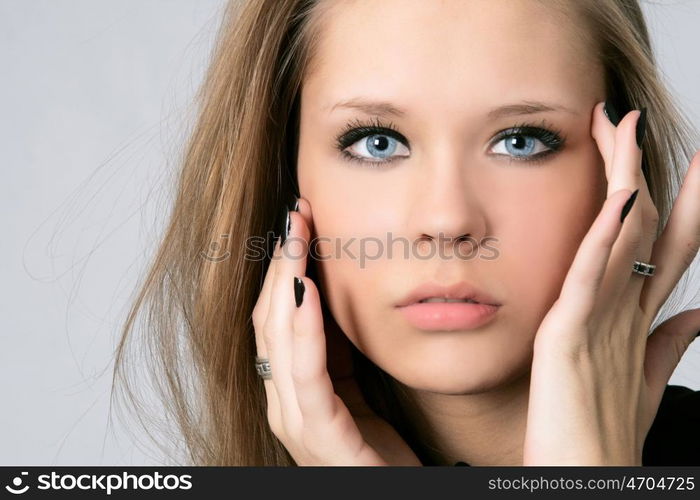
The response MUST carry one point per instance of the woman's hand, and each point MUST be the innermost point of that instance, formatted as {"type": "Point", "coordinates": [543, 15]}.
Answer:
{"type": "Point", "coordinates": [597, 379]}
{"type": "Point", "coordinates": [317, 419]}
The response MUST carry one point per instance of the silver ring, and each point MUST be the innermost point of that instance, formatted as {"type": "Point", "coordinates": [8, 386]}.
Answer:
{"type": "Point", "coordinates": [643, 268]}
{"type": "Point", "coordinates": [262, 366]}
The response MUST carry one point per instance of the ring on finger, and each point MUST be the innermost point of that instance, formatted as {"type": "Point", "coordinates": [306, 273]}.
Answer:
{"type": "Point", "coordinates": [262, 366]}
{"type": "Point", "coordinates": [643, 268]}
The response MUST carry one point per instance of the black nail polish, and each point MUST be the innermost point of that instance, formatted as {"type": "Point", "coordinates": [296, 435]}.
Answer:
{"type": "Point", "coordinates": [299, 289]}
{"type": "Point", "coordinates": [641, 127]}
{"type": "Point", "coordinates": [287, 227]}
{"type": "Point", "coordinates": [611, 112]}
{"type": "Point", "coordinates": [296, 205]}
{"type": "Point", "coordinates": [698, 335]}
{"type": "Point", "coordinates": [628, 205]}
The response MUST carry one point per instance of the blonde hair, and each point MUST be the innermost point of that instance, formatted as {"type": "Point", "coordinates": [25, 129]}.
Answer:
{"type": "Point", "coordinates": [239, 169]}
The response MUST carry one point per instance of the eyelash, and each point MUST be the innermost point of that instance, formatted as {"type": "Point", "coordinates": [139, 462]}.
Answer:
{"type": "Point", "coordinates": [550, 136]}
{"type": "Point", "coordinates": [357, 130]}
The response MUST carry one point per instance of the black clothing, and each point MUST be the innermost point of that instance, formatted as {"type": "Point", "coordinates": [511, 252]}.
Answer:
{"type": "Point", "coordinates": [674, 437]}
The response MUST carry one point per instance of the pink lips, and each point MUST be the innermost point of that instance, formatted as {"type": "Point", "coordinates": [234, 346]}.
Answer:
{"type": "Point", "coordinates": [448, 315]}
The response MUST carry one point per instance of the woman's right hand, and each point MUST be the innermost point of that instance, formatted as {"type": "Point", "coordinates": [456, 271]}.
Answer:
{"type": "Point", "coordinates": [317, 419]}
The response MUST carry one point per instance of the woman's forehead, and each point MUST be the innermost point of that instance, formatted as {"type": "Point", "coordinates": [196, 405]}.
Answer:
{"type": "Point", "coordinates": [452, 50]}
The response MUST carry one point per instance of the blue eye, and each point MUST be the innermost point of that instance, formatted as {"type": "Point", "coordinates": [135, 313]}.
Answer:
{"type": "Point", "coordinates": [379, 146]}
{"type": "Point", "coordinates": [373, 143]}
{"type": "Point", "coordinates": [521, 143]}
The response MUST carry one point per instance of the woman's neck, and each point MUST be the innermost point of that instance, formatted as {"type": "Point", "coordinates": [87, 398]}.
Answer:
{"type": "Point", "coordinates": [480, 429]}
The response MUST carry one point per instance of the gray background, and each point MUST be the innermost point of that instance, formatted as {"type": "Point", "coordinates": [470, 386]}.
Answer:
{"type": "Point", "coordinates": [94, 95]}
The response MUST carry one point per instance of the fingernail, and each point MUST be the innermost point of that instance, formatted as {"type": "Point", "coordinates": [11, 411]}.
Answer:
{"type": "Point", "coordinates": [287, 227]}
{"type": "Point", "coordinates": [641, 127]}
{"type": "Point", "coordinates": [296, 205]}
{"type": "Point", "coordinates": [299, 289]}
{"type": "Point", "coordinates": [698, 335]}
{"type": "Point", "coordinates": [628, 205]}
{"type": "Point", "coordinates": [611, 112]}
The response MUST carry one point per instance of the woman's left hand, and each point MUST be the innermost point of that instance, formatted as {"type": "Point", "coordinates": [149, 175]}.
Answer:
{"type": "Point", "coordinates": [597, 379]}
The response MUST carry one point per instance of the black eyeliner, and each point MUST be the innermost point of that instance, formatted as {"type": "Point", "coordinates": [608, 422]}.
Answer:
{"type": "Point", "coordinates": [553, 138]}
{"type": "Point", "coordinates": [356, 130]}
{"type": "Point", "coordinates": [550, 137]}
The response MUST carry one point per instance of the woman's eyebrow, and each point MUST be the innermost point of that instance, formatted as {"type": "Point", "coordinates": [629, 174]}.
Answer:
{"type": "Point", "coordinates": [527, 108]}
{"type": "Point", "coordinates": [381, 108]}
{"type": "Point", "coordinates": [384, 108]}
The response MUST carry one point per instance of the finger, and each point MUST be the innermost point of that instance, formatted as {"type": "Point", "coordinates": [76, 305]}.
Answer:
{"type": "Point", "coordinates": [582, 283]}
{"type": "Point", "coordinates": [665, 348]}
{"type": "Point", "coordinates": [262, 306]}
{"type": "Point", "coordinates": [304, 208]}
{"type": "Point", "coordinates": [678, 244]}
{"type": "Point", "coordinates": [259, 316]}
{"type": "Point", "coordinates": [603, 132]}
{"type": "Point", "coordinates": [626, 155]}
{"type": "Point", "coordinates": [619, 146]}
{"type": "Point", "coordinates": [312, 383]}
{"type": "Point", "coordinates": [278, 330]}
{"type": "Point", "coordinates": [338, 348]}
{"type": "Point", "coordinates": [330, 431]}
{"type": "Point", "coordinates": [647, 231]}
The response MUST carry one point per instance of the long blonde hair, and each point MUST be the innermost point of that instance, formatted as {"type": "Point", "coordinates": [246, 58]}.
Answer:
{"type": "Point", "coordinates": [239, 170]}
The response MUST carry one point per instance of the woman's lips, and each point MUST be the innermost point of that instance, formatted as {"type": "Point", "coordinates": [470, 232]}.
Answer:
{"type": "Point", "coordinates": [448, 315]}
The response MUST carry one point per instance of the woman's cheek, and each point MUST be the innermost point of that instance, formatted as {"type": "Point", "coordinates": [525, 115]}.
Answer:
{"type": "Point", "coordinates": [354, 279]}
{"type": "Point", "coordinates": [342, 288]}
{"type": "Point", "coordinates": [539, 267]}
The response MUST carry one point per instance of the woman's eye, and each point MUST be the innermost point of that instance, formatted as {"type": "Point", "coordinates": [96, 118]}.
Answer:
{"type": "Point", "coordinates": [528, 143]}
{"type": "Point", "coordinates": [377, 148]}
{"type": "Point", "coordinates": [376, 144]}
{"type": "Point", "coordinates": [520, 146]}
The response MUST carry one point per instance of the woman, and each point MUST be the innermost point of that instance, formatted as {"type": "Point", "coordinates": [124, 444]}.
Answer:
{"type": "Point", "coordinates": [520, 155]}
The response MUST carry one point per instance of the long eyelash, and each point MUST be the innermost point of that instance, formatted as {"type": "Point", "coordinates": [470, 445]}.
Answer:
{"type": "Point", "coordinates": [551, 136]}
{"type": "Point", "coordinates": [358, 129]}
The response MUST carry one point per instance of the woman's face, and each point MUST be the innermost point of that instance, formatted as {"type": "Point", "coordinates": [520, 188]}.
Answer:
{"type": "Point", "coordinates": [452, 75]}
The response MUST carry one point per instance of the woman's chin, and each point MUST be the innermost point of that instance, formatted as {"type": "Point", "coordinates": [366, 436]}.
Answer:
{"type": "Point", "coordinates": [472, 372]}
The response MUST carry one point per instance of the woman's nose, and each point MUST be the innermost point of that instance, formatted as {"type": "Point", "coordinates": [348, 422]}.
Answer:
{"type": "Point", "coordinates": [447, 206]}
